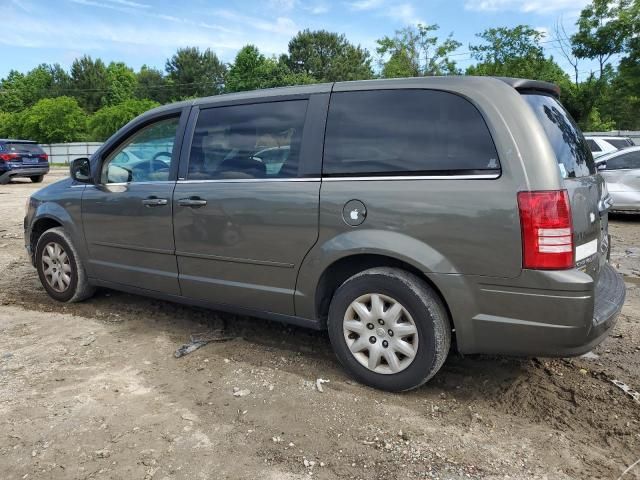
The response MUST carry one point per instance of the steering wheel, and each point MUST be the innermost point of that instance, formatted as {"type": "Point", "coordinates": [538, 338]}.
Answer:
{"type": "Point", "coordinates": [162, 154]}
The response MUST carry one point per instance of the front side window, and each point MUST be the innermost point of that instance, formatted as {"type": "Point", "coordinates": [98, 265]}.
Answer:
{"type": "Point", "coordinates": [143, 157]}
{"type": "Point", "coordinates": [248, 141]}
{"type": "Point", "coordinates": [626, 161]}
{"type": "Point", "coordinates": [401, 132]}
{"type": "Point", "coordinates": [618, 143]}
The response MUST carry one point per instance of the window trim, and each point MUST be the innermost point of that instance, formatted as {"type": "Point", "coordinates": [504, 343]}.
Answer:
{"type": "Point", "coordinates": [461, 174]}
{"type": "Point", "coordinates": [128, 131]}
{"type": "Point", "coordinates": [306, 168]}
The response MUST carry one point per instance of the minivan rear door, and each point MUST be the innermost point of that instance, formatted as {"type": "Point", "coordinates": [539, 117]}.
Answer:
{"type": "Point", "coordinates": [584, 185]}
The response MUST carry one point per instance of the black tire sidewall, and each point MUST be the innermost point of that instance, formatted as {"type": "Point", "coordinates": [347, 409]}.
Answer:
{"type": "Point", "coordinates": [45, 239]}
{"type": "Point", "coordinates": [425, 360]}
{"type": "Point", "coordinates": [37, 178]}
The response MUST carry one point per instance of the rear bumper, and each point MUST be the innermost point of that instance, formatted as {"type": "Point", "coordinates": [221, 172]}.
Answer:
{"type": "Point", "coordinates": [6, 176]}
{"type": "Point", "coordinates": [555, 313]}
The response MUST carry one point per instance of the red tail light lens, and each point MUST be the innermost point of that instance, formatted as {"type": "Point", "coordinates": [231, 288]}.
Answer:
{"type": "Point", "coordinates": [7, 157]}
{"type": "Point", "coordinates": [44, 156]}
{"type": "Point", "coordinates": [547, 230]}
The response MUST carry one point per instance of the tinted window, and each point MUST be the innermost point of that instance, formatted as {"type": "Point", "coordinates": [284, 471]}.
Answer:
{"type": "Point", "coordinates": [570, 147]}
{"type": "Point", "coordinates": [386, 132]}
{"type": "Point", "coordinates": [144, 157]}
{"type": "Point", "coordinates": [618, 143]}
{"type": "Point", "coordinates": [593, 146]}
{"type": "Point", "coordinates": [248, 141]}
{"type": "Point", "coordinates": [22, 148]}
{"type": "Point", "coordinates": [629, 160]}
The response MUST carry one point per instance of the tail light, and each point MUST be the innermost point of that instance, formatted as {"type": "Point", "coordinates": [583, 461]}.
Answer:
{"type": "Point", "coordinates": [7, 157]}
{"type": "Point", "coordinates": [547, 230]}
{"type": "Point", "coordinates": [43, 156]}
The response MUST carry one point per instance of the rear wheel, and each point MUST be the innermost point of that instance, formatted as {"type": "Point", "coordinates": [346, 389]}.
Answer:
{"type": "Point", "coordinates": [37, 178]}
{"type": "Point", "coordinates": [59, 267]}
{"type": "Point", "coordinates": [389, 329]}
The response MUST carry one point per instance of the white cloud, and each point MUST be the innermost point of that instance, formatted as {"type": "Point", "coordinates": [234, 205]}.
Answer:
{"type": "Point", "coordinates": [128, 3]}
{"type": "Point", "coordinates": [317, 9]}
{"type": "Point", "coordinates": [361, 5]}
{"type": "Point", "coordinates": [282, 5]}
{"type": "Point", "coordinates": [405, 13]}
{"type": "Point", "coordinates": [527, 6]}
{"type": "Point", "coordinates": [281, 26]}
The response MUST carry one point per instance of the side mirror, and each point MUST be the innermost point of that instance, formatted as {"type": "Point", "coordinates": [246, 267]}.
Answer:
{"type": "Point", "coordinates": [602, 166]}
{"type": "Point", "coordinates": [80, 170]}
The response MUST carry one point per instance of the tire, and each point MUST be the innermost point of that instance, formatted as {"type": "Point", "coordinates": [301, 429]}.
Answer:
{"type": "Point", "coordinates": [420, 310]}
{"type": "Point", "coordinates": [37, 178]}
{"type": "Point", "coordinates": [77, 288]}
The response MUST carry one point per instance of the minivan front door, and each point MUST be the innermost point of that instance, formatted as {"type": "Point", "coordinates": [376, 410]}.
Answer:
{"type": "Point", "coordinates": [246, 213]}
{"type": "Point", "coordinates": [127, 214]}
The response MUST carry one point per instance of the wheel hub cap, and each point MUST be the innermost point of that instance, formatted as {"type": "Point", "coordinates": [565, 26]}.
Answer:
{"type": "Point", "coordinates": [392, 345]}
{"type": "Point", "coordinates": [56, 267]}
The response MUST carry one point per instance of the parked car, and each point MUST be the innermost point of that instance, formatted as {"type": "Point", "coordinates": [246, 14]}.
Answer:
{"type": "Point", "coordinates": [621, 170]}
{"type": "Point", "coordinates": [602, 145]}
{"type": "Point", "coordinates": [407, 215]}
{"type": "Point", "coordinates": [22, 158]}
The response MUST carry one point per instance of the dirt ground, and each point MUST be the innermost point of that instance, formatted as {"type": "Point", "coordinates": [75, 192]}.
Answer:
{"type": "Point", "coordinates": [92, 390]}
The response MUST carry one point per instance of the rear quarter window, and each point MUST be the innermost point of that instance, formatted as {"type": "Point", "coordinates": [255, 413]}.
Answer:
{"type": "Point", "coordinates": [402, 132]}
{"type": "Point", "coordinates": [566, 139]}
{"type": "Point", "coordinates": [593, 146]}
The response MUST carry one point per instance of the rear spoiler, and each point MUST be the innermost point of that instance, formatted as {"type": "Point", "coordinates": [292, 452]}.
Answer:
{"type": "Point", "coordinates": [531, 86]}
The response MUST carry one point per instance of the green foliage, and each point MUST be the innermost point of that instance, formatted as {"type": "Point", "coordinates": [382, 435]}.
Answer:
{"type": "Point", "coordinates": [251, 70]}
{"type": "Point", "coordinates": [327, 57]}
{"type": "Point", "coordinates": [89, 82]}
{"type": "Point", "coordinates": [121, 83]}
{"type": "Point", "coordinates": [514, 52]}
{"type": "Point", "coordinates": [53, 120]}
{"type": "Point", "coordinates": [106, 121]}
{"type": "Point", "coordinates": [152, 85]}
{"type": "Point", "coordinates": [195, 73]}
{"type": "Point", "coordinates": [8, 125]}
{"type": "Point", "coordinates": [416, 52]}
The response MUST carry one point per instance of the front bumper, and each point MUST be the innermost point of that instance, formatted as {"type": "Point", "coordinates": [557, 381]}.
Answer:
{"type": "Point", "coordinates": [542, 313]}
{"type": "Point", "coordinates": [7, 175]}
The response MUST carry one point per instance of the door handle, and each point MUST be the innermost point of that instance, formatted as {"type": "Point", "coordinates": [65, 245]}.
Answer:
{"type": "Point", "coordinates": [193, 202]}
{"type": "Point", "coordinates": [154, 202]}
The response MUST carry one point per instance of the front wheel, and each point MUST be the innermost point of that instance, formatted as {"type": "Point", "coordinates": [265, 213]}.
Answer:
{"type": "Point", "coordinates": [37, 178]}
{"type": "Point", "coordinates": [60, 268]}
{"type": "Point", "coordinates": [389, 329]}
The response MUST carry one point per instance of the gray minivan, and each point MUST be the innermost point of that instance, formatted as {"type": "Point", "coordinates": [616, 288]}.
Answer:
{"type": "Point", "coordinates": [401, 215]}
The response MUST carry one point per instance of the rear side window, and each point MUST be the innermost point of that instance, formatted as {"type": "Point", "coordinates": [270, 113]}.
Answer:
{"type": "Point", "coordinates": [618, 143]}
{"type": "Point", "coordinates": [629, 160]}
{"type": "Point", "coordinates": [18, 147]}
{"type": "Point", "coordinates": [401, 132]}
{"type": "Point", "coordinates": [248, 141]}
{"type": "Point", "coordinates": [593, 146]}
{"type": "Point", "coordinates": [568, 143]}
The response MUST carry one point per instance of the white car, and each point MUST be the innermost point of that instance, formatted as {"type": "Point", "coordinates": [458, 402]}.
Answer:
{"type": "Point", "coordinates": [621, 171]}
{"type": "Point", "coordinates": [602, 145]}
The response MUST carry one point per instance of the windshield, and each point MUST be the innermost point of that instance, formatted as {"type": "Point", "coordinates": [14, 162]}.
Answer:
{"type": "Point", "coordinates": [570, 147]}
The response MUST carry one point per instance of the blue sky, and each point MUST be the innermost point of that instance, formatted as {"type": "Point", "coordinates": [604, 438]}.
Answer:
{"type": "Point", "coordinates": [149, 31]}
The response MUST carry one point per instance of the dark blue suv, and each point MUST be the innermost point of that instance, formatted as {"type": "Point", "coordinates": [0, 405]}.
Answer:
{"type": "Point", "coordinates": [22, 158]}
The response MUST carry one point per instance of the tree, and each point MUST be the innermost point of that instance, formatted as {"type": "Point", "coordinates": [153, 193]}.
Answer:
{"type": "Point", "coordinates": [602, 31]}
{"type": "Point", "coordinates": [514, 52]}
{"type": "Point", "coordinates": [195, 73]}
{"type": "Point", "coordinates": [53, 120]}
{"type": "Point", "coordinates": [416, 52]}
{"type": "Point", "coordinates": [327, 57]}
{"type": "Point", "coordinates": [89, 82]}
{"type": "Point", "coordinates": [106, 121]}
{"type": "Point", "coordinates": [252, 70]}
{"type": "Point", "coordinates": [152, 85]}
{"type": "Point", "coordinates": [121, 84]}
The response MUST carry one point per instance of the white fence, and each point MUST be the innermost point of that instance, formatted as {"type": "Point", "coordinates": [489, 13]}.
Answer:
{"type": "Point", "coordinates": [67, 152]}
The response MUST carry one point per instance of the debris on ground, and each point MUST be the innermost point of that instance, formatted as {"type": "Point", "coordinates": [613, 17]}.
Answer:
{"type": "Point", "coordinates": [88, 341]}
{"type": "Point", "coordinates": [240, 393]}
{"type": "Point", "coordinates": [627, 389]}
{"type": "Point", "coordinates": [200, 340]}
{"type": "Point", "coordinates": [319, 383]}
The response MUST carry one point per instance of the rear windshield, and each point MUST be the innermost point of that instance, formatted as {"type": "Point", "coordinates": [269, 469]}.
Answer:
{"type": "Point", "coordinates": [619, 143]}
{"type": "Point", "coordinates": [570, 147]}
{"type": "Point", "coordinates": [21, 148]}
